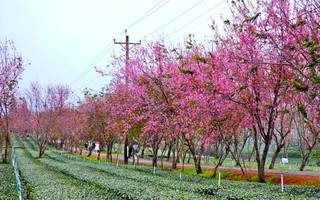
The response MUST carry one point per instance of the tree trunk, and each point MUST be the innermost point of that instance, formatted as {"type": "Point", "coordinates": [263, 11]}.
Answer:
{"type": "Point", "coordinates": [208, 155]}
{"type": "Point", "coordinates": [6, 151]}
{"type": "Point", "coordinates": [198, 165]}
{"type": "Point", "coordinates": [90, 151]}
{"type": "Point", "coordinates": [174, 149]}
{"type": "Point", "coordinates": [41, 151]}
{"type": "Point", "coordinates": [99, 152]}
{"type": "Point", "coordinates": [196, 159]}
{"type": "Point", "coordinates": [155, 157]}
{"type": "Point", "coordinates": [261, 160]}
{"type": "Point", "coordinates": [305, 159]}
{"type": "Point", "coordinates": [261, 177]}
{"type": "Point", "coordinates": [42, 147]}
{"type": "Point", "coordinates": [275, 155]}
{"type": "Point", "coordinates": [221, 155]}
{"type": "Point", "coordinates": [189, 157]}
{"type": "Point", "coordinates": [144, 146]}
{"type": "Point", "coordinates": [155, 147]}
{"type": "Point", "coordinates": [178, 157]}
{"type": "Point", "coordinates": [125, 153]}
{"type": "Point", "coordinates": [162, 153]}
{"type": "Point", "coordinates": [250, 153]}
{"type": "Point", "coordinates": [109, 151]}
{"type": "Point", "coordinates": [285, 151]}
{"type": "Point", "coordinates": [7, 139]}
{"type": "Point", "coordinates": [118, 152]}
{"type": "Point", "coordinates": [216, 150]}
{"type": "Point", "coordinates": [183, 160]}
{"type": "Point", "coordinates": [108, 155]}
{"type": "Point", "coordinates": [169, 151]}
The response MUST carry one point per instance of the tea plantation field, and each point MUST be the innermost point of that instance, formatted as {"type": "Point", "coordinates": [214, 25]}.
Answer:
{"type": "Point", "coordinates": [8, 189]}
{"type": "Point", "coordinates": [56, 176]}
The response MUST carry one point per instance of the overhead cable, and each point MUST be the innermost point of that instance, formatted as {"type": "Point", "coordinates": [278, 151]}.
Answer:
{"type": "Point", "coordinates": [196, 18]}
{"type": "Point", "coordinates": [91, 66]}
{"type": "Point", "coordinates": [175, 18]}
{"type": "Point", "coordinates": [148, 13]}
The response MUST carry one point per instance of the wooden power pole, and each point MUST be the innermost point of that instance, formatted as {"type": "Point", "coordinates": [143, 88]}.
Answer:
{"type": "Point", "coordinates": [126, 46]}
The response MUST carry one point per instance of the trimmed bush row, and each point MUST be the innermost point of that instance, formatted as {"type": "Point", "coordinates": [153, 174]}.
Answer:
{"type": "Point", "coordinates": [170, 179]}
{"type": "Point", "coordinates": [120, 186]}
{"type": "Point", "coordinates": [41, 182]}
{"type": "Point", "coordinates": [130, 182]}
{"type": "Point", "coordinates": [8, 186]}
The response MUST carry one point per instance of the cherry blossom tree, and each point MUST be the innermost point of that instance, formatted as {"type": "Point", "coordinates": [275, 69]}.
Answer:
{"type": "Point", "coordinates": [46, 105]}
{"type": "Point", "coordinates": [283, 130]}
{"type": "Point", "coordinates": [19, 117]}
{"type": "Point", "coordinates": [260, 51]}
{"type": "Point", "coordinates": [11, 68]}
{"type": "Point", "coordinates": [266, 57]}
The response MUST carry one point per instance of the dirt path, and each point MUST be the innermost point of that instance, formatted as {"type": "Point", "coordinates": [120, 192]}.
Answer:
{"type": "Point", "coordinates": [290, 177]}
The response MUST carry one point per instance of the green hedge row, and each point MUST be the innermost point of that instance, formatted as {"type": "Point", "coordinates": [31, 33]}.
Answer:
{"type": "Point", "coordinates": [8, 186]}
{"type": "Point", "coordinates": [69, 178]}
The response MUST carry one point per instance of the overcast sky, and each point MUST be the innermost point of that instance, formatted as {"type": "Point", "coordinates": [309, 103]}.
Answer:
{"type": "Point", "coordinates": [62, 39]}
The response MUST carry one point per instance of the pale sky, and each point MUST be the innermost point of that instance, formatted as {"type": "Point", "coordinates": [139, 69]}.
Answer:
{"type": "Point", "coordinates": [62, 39]}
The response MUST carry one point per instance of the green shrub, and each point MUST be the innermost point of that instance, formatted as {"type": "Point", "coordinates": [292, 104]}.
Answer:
{"type": "Point", "coordinates": [8, 188]}
{"type": "Point", "coordinates": [58, 175]}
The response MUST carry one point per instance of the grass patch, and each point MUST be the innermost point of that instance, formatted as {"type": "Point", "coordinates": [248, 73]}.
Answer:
{"type": "Point", "coordinates": [272, 180]}
{"type": "Point", "coordinates": [254, 179]}
{"type": "Point", "coordinates": [190, 171]}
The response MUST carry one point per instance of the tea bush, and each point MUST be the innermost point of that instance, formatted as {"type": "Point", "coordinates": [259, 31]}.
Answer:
{"type": "Point", "coordinates": [61, 175]}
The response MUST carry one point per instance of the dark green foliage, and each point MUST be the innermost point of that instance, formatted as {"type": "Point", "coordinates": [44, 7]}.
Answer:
{"type": "Point", "coordinates": [186, 71]}
{"type": "Point", "coordinates": [8, 189]}
{"type": "Point", "coordinates": [209, 191]}
{"type": "Point", "coordinates": [308, 44]}
{"type": "Point", "coordinates": [284, 111]}
{"type": "Point", "coordinates": [251, 19]}
{"type": "Point", "coordinates": [201, 59]}
{"type": "Point", "coordinates": [243, 87]}
{"type": "Point", "coordinates": [299, 23]}
{"type": "Point", "coordinates": [302, 109]}
{"type": "Point", "coordinates": [316, 79]}
{"type": "Point", "coordinates": [253, 69]}
{"type": "Point", "coordinates": [299, 85]}
{"type": "Point", "coordinates": [313, 95]}
{"type": "Point", "coordinates": [313, 49]}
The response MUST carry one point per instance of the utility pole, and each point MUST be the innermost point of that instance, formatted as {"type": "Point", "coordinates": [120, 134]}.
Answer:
{"type": "Point", "coordinates": [127, 48]}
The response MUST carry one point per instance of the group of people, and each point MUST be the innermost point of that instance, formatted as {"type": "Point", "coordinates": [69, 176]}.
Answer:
{"type": "Point", "coordinates": [95, 146]}
{"type": "Point", "coordinates": [133, 150]}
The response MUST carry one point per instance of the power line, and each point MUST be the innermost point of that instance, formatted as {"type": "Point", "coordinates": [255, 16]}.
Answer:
{"type": "Point", "coordinates": [175, 18]}
{"type": "Point", "coordinates": [99, 57]}
{"type": "Point", "coordinates": [205, 20]}
{"type": "Point", "coordinates": [148, 13]}
{"type": "Point", "coordinates": [87, 70]}
{"type": "Point", "coordinates": [144, 16]}
{"type": "Point", "coordinates": [105, 50]}
{"type": "Point", "coordinates": [196, 18]}
{"type": "Point", "coordinates": [93, 82]}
